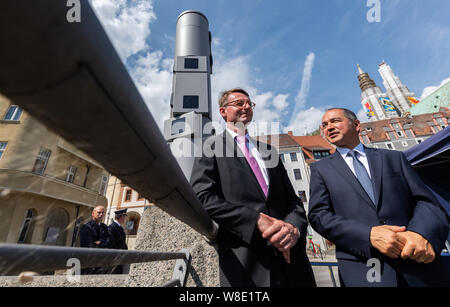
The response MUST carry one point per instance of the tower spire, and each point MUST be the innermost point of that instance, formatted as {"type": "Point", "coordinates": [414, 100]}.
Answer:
{"type": "Point", "coordinates": [359, 69]}
{"type": "Point", "coordinates": [364, 79]}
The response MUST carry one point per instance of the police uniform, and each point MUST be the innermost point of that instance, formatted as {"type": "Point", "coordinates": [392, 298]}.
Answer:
{"type": "Point", "coordinates": [117, 238]}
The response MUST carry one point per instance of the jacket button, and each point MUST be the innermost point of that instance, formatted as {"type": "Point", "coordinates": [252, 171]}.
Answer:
{"type": "Point", "coordinates": [382, 222]}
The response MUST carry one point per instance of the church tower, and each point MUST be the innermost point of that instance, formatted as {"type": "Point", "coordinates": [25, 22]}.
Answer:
{"type": "Point", "coordinates": [373, 100]}
{"type": "Point", "coordinates": [395, 90]}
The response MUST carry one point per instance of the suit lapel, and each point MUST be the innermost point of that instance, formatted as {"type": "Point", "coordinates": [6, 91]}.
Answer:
{"type": "Point", "coordinates": [344, 171]}
{"type": "Point", "coordinates": [376, 169]}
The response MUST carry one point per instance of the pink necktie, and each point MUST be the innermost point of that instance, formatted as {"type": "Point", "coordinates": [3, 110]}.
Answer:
{"type": "Point", "coordinates": [243, 145]}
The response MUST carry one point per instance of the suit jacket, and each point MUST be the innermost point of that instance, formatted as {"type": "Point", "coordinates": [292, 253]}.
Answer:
{"type": "Point", "coordinates": [117, 237]}
{"type": "Point", "coordinates": [232, 196]}
{"type": "Point", "coordinates": [92, 232]}
{"type": "Point", "coordinates": [341, 211]}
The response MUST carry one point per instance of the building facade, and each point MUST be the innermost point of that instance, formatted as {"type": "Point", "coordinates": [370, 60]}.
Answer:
{"type": "Point", "coordinates": [120, 196]}
{"type": "Point", "coordinates": [48, 188]}
{"type": "Point", "coordinates": [404, 132]}
{"type": "Point", "coordinates": [432, 103]}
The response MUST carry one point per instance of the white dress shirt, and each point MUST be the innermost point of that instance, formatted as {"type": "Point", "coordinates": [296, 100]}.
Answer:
{"type": "Point", "coordinates": [361, 156]}
{"type": "Point", "coordinates": [254, 152]}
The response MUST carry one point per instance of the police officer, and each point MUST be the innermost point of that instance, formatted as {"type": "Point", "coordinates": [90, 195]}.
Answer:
{"type": "Point", "coordinates": [94, 234]}
{"type": "Point", "coordinates": [117, 236]}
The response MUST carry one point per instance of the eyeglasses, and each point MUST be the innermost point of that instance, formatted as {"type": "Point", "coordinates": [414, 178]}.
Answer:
{"type": "Point", "coordinates": [240, 103]}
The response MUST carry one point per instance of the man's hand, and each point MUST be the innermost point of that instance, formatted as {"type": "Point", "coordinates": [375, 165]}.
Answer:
{"type": "Point", "coordinates": [387, 240]}
{"type": "Point", "coordinates": [417, 248]}
{"type": "Point", "coordinates": [283, 236]}
{"type": "Point", "coordinates": [264, 222]}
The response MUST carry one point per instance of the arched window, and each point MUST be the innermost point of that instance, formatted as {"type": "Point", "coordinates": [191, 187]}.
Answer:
{"type": "Point", "coordinates": [132, 223]}
{"type": "Point", "coordinates": [56, 229]}
{"type": "Point", "coordinates": [76, 232]}
{"type": "Point", "coordinates": [26, 232]}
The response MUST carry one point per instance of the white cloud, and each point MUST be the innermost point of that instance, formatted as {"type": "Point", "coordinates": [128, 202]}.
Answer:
{"type": "Point", "coordinates": [126, 23]}
{"type": "Point", "coordinates": [236, 72]}
{"type": "Point", "coordinates": [153, 78]}
{"type": "Point", "coordinates": [430, 89]}
{"type": "Point", "coordinates": [300, 100]}
{"type": "Point", "coordinates": [280, 102]}
{"type": "Point", "coordinates": [306, 121]}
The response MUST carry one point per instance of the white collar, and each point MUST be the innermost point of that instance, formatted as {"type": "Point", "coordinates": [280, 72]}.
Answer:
{"type": "Point", "coordinates": [344, 151]}
{"type": "Point", "coordinates": [234, 134]}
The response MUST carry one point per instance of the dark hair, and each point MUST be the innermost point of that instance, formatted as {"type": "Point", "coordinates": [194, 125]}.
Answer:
{"type": "Point", "coordinates": [224, 95]}
{"type": "Point", "coordinates": [347, 113]}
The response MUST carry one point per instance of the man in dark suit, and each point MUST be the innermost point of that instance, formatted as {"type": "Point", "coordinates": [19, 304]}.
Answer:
{"type": "Point", "coordinates": [262, 223]}
{"type": "Point", "coordinates": [388, 228]}
{"type": "Point", "coordinates": [117, 235]}
{"type": "Point", "coordinates": [94, 234]}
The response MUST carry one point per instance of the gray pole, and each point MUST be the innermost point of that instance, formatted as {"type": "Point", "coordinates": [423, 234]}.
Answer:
{"type": "Point", "coordinates": [191, 89]}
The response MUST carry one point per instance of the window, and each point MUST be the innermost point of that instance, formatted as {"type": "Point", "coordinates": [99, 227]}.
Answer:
{"type": "Point", "coordinates": [320, 154]}
{"type": "Point", "coordinates": [405, 144]}
{"type": "Point", "coordinates": [103, 185]}
{"type": "Point", "coordinates": [13, 113]}
{"type": "Point", "coordinates": [56, 227]}
{"type": "Point", "coordinates": [76, 231]}
{"type": "Point", "coordinates": [88, 168]}
{"type": "Point", "coordinates": [419, 141]}
{"type": "Point", "coordinates": [297, 174]}
{"type": "Point", "coordinates": [128, 193]}
{"type": "Point", "coordinates": [26, 231]}
{"type": "Point", "coordinates": [2, 148]}
{"type": "Point", "coordinates": [293, 156]}
{"type": "Point", "coordinates": [390, 146]}
{"type": "Point", "coordinates": [71, 171]}
{"type": "Point", "coordinates": [302, 195]}
{"type": "Point", "coordinates": [41, 161]}
{"type": "Point", "coordinates": [132, 223]}
{"type": "Point", "coordinates": [399, 133]}
{"type": "Point", "coordinates": [282, 158]}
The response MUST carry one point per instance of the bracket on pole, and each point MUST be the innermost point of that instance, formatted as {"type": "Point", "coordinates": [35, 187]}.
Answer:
{"type": "Point", "coordinates": [181, 267]}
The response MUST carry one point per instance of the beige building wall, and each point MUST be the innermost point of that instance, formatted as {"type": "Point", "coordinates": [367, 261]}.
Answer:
{"type": "Point", "coordinates": [55, 207]}
{"type": "Point", "coordinates": [121, 196]}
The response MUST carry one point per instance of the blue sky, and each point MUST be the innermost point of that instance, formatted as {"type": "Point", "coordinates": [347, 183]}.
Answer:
{"type": "Point", "coordinates": [295, 57]}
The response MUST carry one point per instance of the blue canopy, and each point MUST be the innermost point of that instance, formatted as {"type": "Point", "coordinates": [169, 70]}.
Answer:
{"type": "Point", "coordinates": [431, 159]}
{"type": "Point", "coordinates": [435, 147]}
